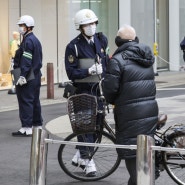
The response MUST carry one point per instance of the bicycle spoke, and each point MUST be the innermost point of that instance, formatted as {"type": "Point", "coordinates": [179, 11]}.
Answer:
{"type": "Point", "coordinates": [175, 162]}
{"type": "Point", "coordinates": [106, 159]}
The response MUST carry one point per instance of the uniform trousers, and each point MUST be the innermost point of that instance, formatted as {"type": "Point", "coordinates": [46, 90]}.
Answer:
{"type": "Point", "coordinates": [89, 138]}
{"type": "Point", "coordinates": [29, 103]}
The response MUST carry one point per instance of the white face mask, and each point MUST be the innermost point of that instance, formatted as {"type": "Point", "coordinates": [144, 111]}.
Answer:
{"type": "Point", "coordinates": [90, 30]}
{"type": "Point", "coordinates": [21, 30]}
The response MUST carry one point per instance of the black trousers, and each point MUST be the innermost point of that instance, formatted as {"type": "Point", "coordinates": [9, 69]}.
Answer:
{"type": "Point", "coordinates": [131, 167]}
{"type": "Point", "coordinates": [29, 102]}
{"type": "Point", "coordinates": [85, 151]}
{"type": "Point", "coordinates": [89, 138]}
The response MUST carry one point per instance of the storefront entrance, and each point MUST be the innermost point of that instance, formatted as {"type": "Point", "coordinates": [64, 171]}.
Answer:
{"type": "Point", "coordinates": [162, 34]}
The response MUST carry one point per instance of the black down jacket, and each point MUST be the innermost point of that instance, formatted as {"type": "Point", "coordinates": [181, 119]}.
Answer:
{"type": "Point", "coordinates": [129, 85]}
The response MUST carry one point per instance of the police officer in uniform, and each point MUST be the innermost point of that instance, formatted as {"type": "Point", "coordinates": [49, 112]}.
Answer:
{"type": "Point", "coordinates": [87, 45]}
{"type": "Point", "coordinates": [28, 58]}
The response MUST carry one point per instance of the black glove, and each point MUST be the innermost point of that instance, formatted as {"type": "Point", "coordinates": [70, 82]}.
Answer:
{"type": "Point", "coordinates": [69, 90]}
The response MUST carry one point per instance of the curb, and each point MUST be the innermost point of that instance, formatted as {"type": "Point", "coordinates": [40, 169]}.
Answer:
{"type": "Point", "coordinates": [43, 103]}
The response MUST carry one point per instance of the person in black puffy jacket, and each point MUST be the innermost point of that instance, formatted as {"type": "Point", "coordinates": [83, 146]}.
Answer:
{"type": "Point", "coordinates": [133, 92]}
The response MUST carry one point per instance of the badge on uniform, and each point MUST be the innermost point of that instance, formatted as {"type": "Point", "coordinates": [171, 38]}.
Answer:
{"type": "Point", "coordinates": [71, 58]}
{"type": "Point", "coordinates": [102, 50]}
{"type": "Point", "coordinates": [88, 14]}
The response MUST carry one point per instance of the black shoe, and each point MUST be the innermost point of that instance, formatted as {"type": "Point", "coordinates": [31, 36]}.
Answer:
{"type": "Point", "coordinates": [91, 174]}
{"type": "Point", "coordinates": [157, 174]}
{"type": "Point", "coordinates": [20, 134]}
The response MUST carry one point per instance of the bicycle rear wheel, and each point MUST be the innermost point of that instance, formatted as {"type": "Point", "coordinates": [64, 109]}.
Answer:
{"type": "Point", "coordinates": [174, 162]}
{"type": "Point", "coordinates": [106, 159]}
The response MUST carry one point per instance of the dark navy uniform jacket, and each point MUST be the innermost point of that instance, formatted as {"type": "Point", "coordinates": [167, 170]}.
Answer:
{"type": "Point", "coordinates": [27, 56]}
{"type": "Point", "coordinates": [79, 48]}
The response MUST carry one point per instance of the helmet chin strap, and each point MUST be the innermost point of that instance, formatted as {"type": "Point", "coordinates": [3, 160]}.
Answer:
{"type": "Point", "coordinates": [89, 37]}
{"type": "Point", "coordinates": [27, 31]}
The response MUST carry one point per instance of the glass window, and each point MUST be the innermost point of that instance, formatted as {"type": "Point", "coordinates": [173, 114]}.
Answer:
{"type": "Point", "coordinates": [142, 18]}
{"type": "Point", "coordinates": [163, 34]}
{"type": "Point", "coordinates": [54, 26]}
{"type": "Point", "coordinates": [4, 42]}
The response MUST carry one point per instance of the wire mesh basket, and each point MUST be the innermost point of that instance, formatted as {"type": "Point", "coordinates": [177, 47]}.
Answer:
{"type": "Point", "coordinates": [82, 110]}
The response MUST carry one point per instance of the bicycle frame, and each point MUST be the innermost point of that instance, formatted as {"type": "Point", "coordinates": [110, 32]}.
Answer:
{"type": "Point", "coordinates": [163, 140]}
{"type": "Point", "coordinates": [164, 135]}
{"type": "Point", "coordinates": [105, 122]}
{"type": "Point", "coordinates": [109, 128]}
{"type": "Point", "coordinates": [103, 132]}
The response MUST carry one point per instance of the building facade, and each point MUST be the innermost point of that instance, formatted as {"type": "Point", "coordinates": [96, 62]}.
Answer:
{"type": "Point", "coordinates": [160, 21]}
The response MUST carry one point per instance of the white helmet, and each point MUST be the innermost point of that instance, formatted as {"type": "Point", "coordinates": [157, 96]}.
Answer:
{"type": "Point", "coordinates": [84, 16]}
{"type": "Point", "coordinates": [27, 20]}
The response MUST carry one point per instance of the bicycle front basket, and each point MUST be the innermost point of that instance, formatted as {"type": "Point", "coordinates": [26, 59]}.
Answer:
{"type": "Point", "coordinates": [82, 110]}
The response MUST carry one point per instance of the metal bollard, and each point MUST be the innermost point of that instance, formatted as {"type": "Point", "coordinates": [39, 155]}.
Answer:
{"type": "Point", "coordinates": [38, 158]}
{"type": "Point", "coordinates": [145, 160]}
{"type": "Point", "coordinates": [50, 81]}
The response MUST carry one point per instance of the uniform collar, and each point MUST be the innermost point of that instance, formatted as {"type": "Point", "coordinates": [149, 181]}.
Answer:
{"type": "Point", "coordinates": [30, 32]}
{"type": "Point", "coordinates": [88, 40]}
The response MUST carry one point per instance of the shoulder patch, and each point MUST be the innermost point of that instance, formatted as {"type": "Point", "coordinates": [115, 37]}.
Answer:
{"type": "Point", "coordinates": [71, 58]}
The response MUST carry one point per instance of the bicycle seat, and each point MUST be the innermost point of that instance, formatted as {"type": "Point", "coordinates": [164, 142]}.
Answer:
{"type": "Point", "coordinates": [161, 121]}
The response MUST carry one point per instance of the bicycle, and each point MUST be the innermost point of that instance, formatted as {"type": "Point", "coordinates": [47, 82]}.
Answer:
{"type": "Point", "coordinates": [107, 160]}
{"type": "Point", "coordinates": [83, 122]}
{"type": "Point", "coordinates": [172, 162]}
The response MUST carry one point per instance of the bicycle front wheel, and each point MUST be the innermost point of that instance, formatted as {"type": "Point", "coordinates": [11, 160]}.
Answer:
{"type": "Point", "coordinates": [174, 162]}
{"type": "Point", "coordinates": [106, 159]}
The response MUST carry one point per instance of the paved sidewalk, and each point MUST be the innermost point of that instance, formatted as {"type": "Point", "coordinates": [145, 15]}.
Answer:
{"type": "Point", "coordinates": [9, 102]}
{"type": "Point", "coordinates": [61, 125]}
{"type": "Point", "coordinates": [173, 107]}
{"type": "Point", "coordinates": [169, 79]}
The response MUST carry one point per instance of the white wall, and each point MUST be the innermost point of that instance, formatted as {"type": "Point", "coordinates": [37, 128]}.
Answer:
{"type": "Point", "coordinates": [174, 35]}
{"type": "Point", "coordinates": [124, 12]}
